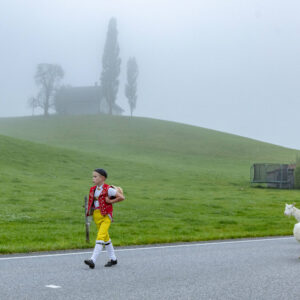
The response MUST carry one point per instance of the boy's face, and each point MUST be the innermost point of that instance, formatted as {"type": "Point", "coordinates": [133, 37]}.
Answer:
{"type": "Point", "coordinates": [98, 179]}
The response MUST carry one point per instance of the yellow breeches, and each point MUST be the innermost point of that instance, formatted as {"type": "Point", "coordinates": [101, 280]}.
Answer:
{"type": "Point", "coordinates": [102, 223]}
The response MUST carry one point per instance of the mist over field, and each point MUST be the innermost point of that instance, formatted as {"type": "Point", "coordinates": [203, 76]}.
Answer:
{"type": "Point", "coordinates": [227, 65]}
{"type": "Point", "coordinates": [108, 84]}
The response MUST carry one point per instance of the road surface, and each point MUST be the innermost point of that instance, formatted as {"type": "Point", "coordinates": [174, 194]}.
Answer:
{"type": "Point", "coordinates": [266, 268]}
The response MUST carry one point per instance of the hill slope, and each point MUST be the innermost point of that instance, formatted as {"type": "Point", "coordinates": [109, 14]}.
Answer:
{"type": "Point", "coordinates": [146, 140]}
{"type": "Point", "coordinates": [181, 182]}
{"type": "Point", "coordinates": [138, 137]}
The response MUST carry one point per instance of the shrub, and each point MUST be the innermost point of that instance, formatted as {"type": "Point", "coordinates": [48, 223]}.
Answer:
{"type": "Point", "coordinates": [297, 173]}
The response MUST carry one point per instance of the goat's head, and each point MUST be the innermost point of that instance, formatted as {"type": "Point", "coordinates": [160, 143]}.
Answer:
{"type": "Point", "coordinates": [288, 209]}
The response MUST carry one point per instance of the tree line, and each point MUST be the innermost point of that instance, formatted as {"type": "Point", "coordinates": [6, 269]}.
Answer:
{"type": "Point", "coordinates": [48, 77]}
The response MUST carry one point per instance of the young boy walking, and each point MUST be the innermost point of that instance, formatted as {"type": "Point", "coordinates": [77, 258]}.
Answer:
{"type": "Point", "coordinates": [101, 198]}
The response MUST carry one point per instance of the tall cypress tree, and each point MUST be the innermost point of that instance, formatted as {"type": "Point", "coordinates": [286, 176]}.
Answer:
{"type": "Point", "coordinates": [131, 85]}
{"type": "Point", "coordinates": [111, 63]}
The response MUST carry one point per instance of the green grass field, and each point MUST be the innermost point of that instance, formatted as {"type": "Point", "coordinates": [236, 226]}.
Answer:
{"type": "Point", "coordinates": [182, 183]}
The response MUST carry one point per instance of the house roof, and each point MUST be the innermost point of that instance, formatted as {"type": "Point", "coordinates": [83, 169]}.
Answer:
{"type": "Point", "coordinates": [80, 93]}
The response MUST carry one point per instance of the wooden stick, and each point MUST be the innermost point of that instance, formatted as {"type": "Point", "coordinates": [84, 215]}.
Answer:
{"type": "Point", "coordinates": [87, 224]}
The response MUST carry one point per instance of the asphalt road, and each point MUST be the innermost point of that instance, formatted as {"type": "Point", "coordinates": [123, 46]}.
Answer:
{"type": "Point", "coordinates": [238, 269]}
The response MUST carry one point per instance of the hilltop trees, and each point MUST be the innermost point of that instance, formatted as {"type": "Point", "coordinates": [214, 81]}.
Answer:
{"type": "Point", "coordinates": [111, 63]}
{"type": "Point", "coordinates": [47, 78]}
{"type": "Point", "coordinates": [131, 85]}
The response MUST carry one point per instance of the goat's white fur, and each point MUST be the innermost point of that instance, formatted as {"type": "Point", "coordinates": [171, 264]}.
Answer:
{"type": "Point", "coordinates": [296, 231]}
{"type": "Point", "coordinates": [291, 210]}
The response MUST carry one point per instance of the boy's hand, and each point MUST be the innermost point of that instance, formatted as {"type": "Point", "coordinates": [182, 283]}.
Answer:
{"type": "Point", "coordinates": [107, 200]}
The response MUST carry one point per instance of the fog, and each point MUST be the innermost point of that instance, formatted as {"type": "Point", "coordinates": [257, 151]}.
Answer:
{"type": "Point", "coordinates": [232, 65]}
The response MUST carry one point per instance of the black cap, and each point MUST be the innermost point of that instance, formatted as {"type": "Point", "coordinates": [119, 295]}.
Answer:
{"type": "Point", "coordinates": [101, 172]}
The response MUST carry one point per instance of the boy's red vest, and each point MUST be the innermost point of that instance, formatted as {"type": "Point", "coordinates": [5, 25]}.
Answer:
{"type": "Point", "coordinates": [105, 208]}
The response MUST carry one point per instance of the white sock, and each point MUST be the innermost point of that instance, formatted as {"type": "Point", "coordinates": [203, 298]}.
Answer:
{"type": "Point", "coordinates": [111, 251]}
{"type": "Point", "coordinates": [98, 248]}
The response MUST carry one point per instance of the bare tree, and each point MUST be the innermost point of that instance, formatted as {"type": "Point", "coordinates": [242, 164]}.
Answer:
{"type": "Point", "coordinates": [47, 77]}
{"type": "Point", "coordinates": [33, 103]}
{"type": "Point", "coordinates": [131, 86]}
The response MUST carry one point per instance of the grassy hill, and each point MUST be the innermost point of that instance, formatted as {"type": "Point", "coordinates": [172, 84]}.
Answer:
{"type": "Point", "coordinates": [182, 182]}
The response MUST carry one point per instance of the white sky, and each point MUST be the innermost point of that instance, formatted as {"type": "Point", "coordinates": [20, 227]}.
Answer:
{"type": "Point", "coordinates": [231, 65]}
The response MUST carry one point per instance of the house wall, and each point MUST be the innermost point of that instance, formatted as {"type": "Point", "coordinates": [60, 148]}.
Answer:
{"type": "Point", "coordinates": [76, 101]}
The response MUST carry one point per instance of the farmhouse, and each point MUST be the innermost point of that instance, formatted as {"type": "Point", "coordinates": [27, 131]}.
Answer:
{"type": "Point", "coordinates": [82, 100]}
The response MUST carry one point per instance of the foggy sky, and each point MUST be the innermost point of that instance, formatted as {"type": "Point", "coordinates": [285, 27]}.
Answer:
{"type": "Point", "coordinates": [231, 65]}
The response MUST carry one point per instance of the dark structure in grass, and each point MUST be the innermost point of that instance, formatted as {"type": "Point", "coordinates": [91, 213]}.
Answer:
{"type": "Point", "coordinates": [281, 176]}
{"type": "Point", "coordinates": [86, 100]}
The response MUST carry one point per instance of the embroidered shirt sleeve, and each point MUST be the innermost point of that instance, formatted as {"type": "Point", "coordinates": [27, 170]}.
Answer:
{"type": "Point", "coordinates": [111, 192]}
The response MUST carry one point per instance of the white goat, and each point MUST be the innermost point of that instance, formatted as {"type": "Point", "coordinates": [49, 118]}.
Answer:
{"type": "Point", "coordinates": [291, 210]}
{"type": "Point", "coordinates": [296, 231]}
